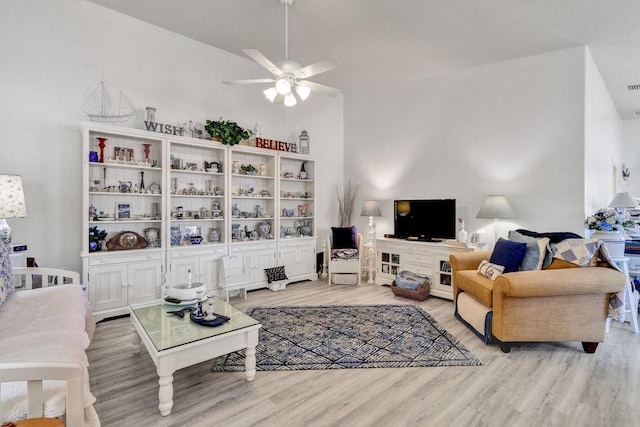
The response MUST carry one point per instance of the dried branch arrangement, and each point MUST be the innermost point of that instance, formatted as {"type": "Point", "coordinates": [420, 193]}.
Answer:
{"type": "Point", "coordinates": [346, 202]}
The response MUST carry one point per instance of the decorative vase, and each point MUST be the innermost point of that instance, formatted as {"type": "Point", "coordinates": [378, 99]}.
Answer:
{"type": "Point", "coordinates": [614, 240]}
{"type": "Point", "coordinates": [235, 211]}
{"type": "Point", "coordinates": [305, 230]}
{"type": "Point", "coordinates": [101, 144]}
{"type": "Point", "coordinates": [264, 228]}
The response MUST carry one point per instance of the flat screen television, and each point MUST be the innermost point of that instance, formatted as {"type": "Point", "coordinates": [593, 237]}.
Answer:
{"type": "Point", "coordinates": [433, 219]}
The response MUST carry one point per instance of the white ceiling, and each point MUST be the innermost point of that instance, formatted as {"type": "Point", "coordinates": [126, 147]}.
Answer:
{"type": "Point", "coordinates": [381, 42]}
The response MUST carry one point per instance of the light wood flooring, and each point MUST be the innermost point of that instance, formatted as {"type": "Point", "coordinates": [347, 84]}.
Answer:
{"type": "Point", "coordinates": [535, 384]}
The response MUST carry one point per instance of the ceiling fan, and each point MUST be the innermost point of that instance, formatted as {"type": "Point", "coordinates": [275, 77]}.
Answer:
{"type": "Point", "coordinates": [289, 77]}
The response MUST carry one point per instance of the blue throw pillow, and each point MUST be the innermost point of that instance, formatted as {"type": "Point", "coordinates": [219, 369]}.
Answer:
{"type": "Point", "coordinates": [508, 254]}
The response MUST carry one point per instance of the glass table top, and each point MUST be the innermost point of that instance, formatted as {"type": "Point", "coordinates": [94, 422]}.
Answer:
{"type": "Point", "coordinates": [167, 330]}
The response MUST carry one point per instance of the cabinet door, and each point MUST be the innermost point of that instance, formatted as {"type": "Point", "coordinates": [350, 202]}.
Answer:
{"type": "Point", "coordinates": [289, 257]}
{"type": "Point", "coordinates": [307, 263]}
{"type": "Point", "coordinates": [264, 258]}
{"type": "Point", "coordinates": [107, 286]}
{"type": "Point", "coordinates": [209, 270]}
{"type": "Point", "coordinates": [180, 269]}
{"type": "Point", "coordinates": [144, 281]}
{"type": "Point", "coordinates": [442, 284]}
{"type": "Point", "coordinates": [388, 261]}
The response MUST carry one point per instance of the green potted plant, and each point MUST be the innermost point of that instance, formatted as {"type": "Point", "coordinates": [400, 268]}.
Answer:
{"type": "Point", "coordinates": [227, 131]}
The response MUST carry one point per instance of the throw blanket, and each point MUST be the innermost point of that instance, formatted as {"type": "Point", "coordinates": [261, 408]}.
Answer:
{"type": "Point", "coordinates": [344, 254]}
{"type": "Point", "coordinates": [616, 302]}
{"type": "Point", "coordinates": [580, 251]}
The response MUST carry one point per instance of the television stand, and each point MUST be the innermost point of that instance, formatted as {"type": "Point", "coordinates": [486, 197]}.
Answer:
{"type": "Point", "coordinates": [426, 258]}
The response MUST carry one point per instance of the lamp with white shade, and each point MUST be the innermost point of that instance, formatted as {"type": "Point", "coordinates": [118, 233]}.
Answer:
{"type": "Point", "coordinates": [371, 209]}
{"type": "Point", "coordinates": [622, 202]}
{"type": "Point", "coordinates": [12, 203]}
{"type": "Point", "coordinates": [496, 207]}
{"type": "Point", "coordinates": [11, 206]}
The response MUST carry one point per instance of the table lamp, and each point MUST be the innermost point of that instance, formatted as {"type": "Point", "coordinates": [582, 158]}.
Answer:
{"type": "Point", "coordinates": [371, 209]}
{"type": "Point", "coordinates": [622, 202]}
{"type": "Point", "coordinates": [496, 207]}
{"type": "Point", "coordinates": [11, 206]}
{"type": "Point", "coordinates": [12, 203]}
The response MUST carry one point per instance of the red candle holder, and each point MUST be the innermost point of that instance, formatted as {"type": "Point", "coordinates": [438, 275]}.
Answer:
{"type": "Point", "coordinates": [101, 145]}
{"type": "Point", "coordinates": [146, 152]}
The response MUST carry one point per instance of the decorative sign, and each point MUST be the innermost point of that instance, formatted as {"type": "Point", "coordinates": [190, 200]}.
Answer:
{"type": "Point", "coordinates": [161, 128]}
{"type": "Point", "coordinates": [272, 144]}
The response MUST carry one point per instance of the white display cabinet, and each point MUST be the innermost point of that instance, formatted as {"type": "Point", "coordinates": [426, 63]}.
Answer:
{"type": "Point", "coordinates": [191, 202]}
{"type": "Point", "coordinates": [297, 196]}
{"type": "Point", "coordinates": [197, 188]}
{"type": "Point", "coordinates": [252, 203]}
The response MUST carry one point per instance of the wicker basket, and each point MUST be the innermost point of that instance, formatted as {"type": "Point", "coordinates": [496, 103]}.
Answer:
{"type": "Point", "coordinates": [420, 294]}
{"type": "Point", "coordinates": [344, 278]}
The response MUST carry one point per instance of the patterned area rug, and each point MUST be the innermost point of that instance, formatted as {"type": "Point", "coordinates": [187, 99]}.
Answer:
{"type": "Point", "coordinates": [349, 336]}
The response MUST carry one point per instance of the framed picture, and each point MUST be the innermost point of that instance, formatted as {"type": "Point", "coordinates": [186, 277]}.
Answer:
{"type": "Point", "coordinates": [123, 211]}
{"type": "Point", "coordinates": [122, 153]}
{"type": "Point", "coordinates": [176, 163]}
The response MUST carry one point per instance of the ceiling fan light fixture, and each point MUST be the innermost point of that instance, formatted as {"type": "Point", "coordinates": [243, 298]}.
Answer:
{"type": "Point", "coordinates": [271, 94]}
{"type": "Point", "coordinates": [290, 100]}
{"type": "Point", "coordinates": [303, 92]}
{"type": "Point", "coordinates": [283, 86]}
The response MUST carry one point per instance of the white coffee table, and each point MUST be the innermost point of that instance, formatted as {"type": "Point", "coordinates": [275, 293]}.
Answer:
{"type": "Point", "coordinates": [175, 343]}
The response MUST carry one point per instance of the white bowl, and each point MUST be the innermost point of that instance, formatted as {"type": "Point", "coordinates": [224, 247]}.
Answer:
{"type": "Point", "coordinates": [183, 292]}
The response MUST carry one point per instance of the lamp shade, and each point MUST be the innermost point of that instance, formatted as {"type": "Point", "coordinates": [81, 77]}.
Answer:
{"type": "Point", "coordinates": [623, 200]}
{"type": "Point", "coordinates": [496, 207]}
{"type": "Point", "coordinates": [12, 203]}
{"type": "Point", "coordinates": [371, 208]}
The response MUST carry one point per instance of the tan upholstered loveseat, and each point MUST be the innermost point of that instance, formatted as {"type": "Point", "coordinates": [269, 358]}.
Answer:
{"type": "Point", "coordinates": [556, 304]}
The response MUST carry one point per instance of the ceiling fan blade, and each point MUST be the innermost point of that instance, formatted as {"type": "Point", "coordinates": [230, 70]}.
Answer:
{"type": "Point", "coordinates": [317, 87]}
{"type": "Point", "coordinates": [262, 60]}
{"type": "Point", "coordinates": [317, 68]}
{"type": "Point", "coordinates": [246, 82]}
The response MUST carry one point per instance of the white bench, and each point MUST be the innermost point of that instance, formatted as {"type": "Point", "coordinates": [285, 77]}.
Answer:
{"type": "Point", "coordinates": [50, 322]}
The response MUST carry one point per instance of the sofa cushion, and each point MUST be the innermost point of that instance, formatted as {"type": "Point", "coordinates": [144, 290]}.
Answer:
{"type": "Point", "coordinates": [490, 271]}
{"type": "Point", "coordinates": [508, 254]}
{"type": "Point", "coordinates": [535, 253]}
{"type": "Point", "coordinates": [476, 285]}
{"type": "Point", "coordinates": [554, 237]}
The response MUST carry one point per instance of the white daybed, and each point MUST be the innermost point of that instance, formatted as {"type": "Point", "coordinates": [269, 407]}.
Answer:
{"type": "Point", "coordinates": [44, 333]}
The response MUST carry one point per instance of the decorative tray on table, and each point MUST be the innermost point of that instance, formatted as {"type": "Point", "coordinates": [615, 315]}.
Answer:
{"type": "Point", "coordinates": [204, 320]}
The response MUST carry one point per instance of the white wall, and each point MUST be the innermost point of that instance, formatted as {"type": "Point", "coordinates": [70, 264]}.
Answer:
{"type": "Point", "coordinates": [513, 128]}
{"type": "Point", "coordinates": [53, 51]}
{"type": "Point", "coordinates": [602, 141]}
{"type": "Point", "coordinates": [631, 155]}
